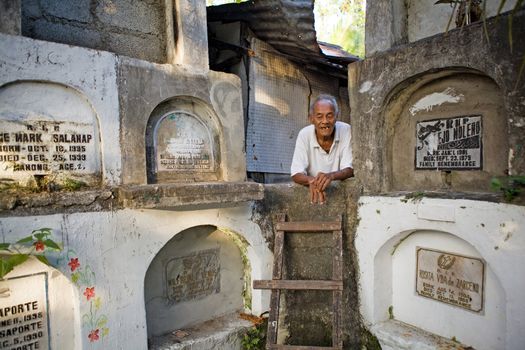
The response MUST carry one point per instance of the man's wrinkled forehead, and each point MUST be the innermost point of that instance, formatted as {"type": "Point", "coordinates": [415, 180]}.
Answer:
{"type": "Point", "coordinates": [327, 102]}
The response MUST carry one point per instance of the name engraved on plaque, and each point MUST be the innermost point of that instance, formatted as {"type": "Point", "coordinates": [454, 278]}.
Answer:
{"type": "Point", "coordinates": [450, 278]}
{"type": "Point", "coordinates": [23, 313]}
{"type": "Point", "coordinates": [448, 144]}
{"type": "Point", "coordinates": [43, 147]}
{"type": "Point", "coordinates": [183, 144]}
{"type": "Point", "coordinates": [194, 276]}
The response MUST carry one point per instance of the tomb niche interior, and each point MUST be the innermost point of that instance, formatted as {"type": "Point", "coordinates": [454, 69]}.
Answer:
{"type": "Point", "coordinates": [183, 142]}
{"type": "Point", "coordinates": [197, 276]}
{"type": "Point", "coordinates": [437, 97]}
{"type": "Point", "coordinates": [398, 293]}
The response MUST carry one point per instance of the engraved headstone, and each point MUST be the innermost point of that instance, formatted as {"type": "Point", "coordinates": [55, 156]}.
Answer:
{"type": "Point", "coordinates": [450, 278]}
{"type": "Point", "coordinates": [41, 147]}
{"type": "Point", "coordinates": [183, 144]}
{"type": "Point", "coordinates": [183, 149]}
{"type": "Point", "coordinates": [47, 130]}
{"type": "Point", "coordinates": [23, 313]}
{"type": "Point", "coordinates": [194, 276]}
{"type": "Point", "coordinates": [449, 144]}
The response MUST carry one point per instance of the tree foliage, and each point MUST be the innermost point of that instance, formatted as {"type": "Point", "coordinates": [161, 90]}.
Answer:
{"type": "Point", "coordinates": [342, 22]}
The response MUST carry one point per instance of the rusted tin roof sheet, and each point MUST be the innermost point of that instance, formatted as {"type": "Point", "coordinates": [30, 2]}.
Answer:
{"type": "Point", "coordinates": [287, 25]}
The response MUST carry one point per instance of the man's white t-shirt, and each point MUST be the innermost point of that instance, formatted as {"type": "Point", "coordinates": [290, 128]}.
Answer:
{"type": "Point", "coordinates": [310, 159]}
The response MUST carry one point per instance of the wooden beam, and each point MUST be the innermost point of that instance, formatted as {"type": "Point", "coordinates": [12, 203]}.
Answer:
{"type": "Point", "coordinates": [298, 284]}
{"type": "Point", "coordinates": [309, 226]}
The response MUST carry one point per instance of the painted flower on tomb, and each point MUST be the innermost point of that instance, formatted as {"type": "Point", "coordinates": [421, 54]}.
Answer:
{"type": "Point", "coordinates": [82, 275]}
{"type": "Point", "coordinates": [93, 335]}
{"type": "Point", "coordinates": [74, 264]}
{"type": "Point", "coordinates": [89, 293]}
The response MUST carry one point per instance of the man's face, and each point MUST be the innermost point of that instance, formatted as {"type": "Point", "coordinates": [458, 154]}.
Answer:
{"type": "Point", "coordinates": [323, 118]}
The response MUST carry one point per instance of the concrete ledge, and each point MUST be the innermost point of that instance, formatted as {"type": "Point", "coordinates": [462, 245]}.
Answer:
{"type": "Point", "coordinates": [159, 196]}
{"type": "Point", "coordinates": [221, 333]}
{"type": "Point", "coordinates": [22, 203]}
{"type": "Point", "coordinates": [396, 335]}
{"type": "Point", "coordinates": [164, 196]}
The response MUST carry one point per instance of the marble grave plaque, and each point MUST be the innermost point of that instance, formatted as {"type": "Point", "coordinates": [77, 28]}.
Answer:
{"type": "Point", "coordinates": [42, 147]}
{"type": "Point", "coordinates": [194, 276]}
{"type": "Point", "coordinates": [449, 144]}
{"type": "Point", "coordinates": [183, 144]}
{"type": "Point", "coordinates": [23, 313]}
{"type": "Point", "coordinates": [450, 278]}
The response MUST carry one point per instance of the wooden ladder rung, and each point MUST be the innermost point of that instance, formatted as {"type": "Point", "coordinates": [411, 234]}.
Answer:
{"type": "Point", "coordinates": [298, 284]}
{"type": "Point", "coordinates": [309, 226]}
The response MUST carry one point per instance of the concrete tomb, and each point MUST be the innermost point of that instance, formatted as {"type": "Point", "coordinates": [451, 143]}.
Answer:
{"type": "Point", "coordinates": [23, 312]}
{"type": "Point", "coordinates": [182, 144]}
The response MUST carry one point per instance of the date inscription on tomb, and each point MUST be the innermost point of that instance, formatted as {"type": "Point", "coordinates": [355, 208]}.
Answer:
{"type": "Point", "coordinates": [450, 278]}
{"type": "Point", "coordinates": [449, 144]}
{"type": "Point", "coordinates": [194, 276]}
{"type": "Point", "coordinates": [43, 147]}
{"type": "Point", "coordinates": [23, 313]}
{"type": "Point", "coordinates": [183, 144]}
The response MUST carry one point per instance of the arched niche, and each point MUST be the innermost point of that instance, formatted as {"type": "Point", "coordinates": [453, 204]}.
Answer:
{"type": "Point", "coordinates": [446, 130]}
{"type": "Point", "coordinates": [395, 267]}
{"type": "Point", "coordinates": [200, 274]}
{"type": "Point", "coordinates": [51, 314]}
{"type": "Point", "coordinates": [48, 132]}
{"type": "Point", "coordinates": [183, 142]}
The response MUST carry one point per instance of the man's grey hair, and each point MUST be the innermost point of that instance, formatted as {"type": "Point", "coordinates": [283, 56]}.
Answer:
{"type": "Point", "coordinates": [324, 97]}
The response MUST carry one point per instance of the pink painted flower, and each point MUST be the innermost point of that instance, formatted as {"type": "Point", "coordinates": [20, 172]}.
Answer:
{"type": "Point", "coordinates": [39, 245]}
{"type": "Point", "coordinates": [73, 264]}
{"type": "Point", "coordinates": [90, 293]}
{"type": "Point", "coordinates": [93, 335]}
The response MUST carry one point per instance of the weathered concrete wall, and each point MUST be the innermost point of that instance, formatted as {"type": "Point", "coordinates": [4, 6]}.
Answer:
{"type": "Point", "coordinates": [130, 28]}
{"type": "Point", "coordinates": [309, 257]}
{"type": "Point", "coordinates": [214, 96]}
{"type": "Point", "coordinates": [114, 250]}
{"type": "Point", "coordinates": [425, 18]}
{"type": "Point", "coordinates": [409, 21]}
{"type": "Point", "coordinates": [11, 19]}
{"type": "Point", "coordinates": [380, 86]}
{"type": "Point", "coordinates": [458, 95]}
{"type": "Point", "coordinates": [191, 33]}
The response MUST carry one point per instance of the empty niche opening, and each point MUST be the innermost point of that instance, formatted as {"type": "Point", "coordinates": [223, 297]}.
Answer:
{"type": "Point", "coordinates": [440, 283]}
{"type": "Point", "coordinates": [182, 142]}
{"type": "Point", "coordinates": [197, 284]}
{"type": "Point", "coordinates": [447, 131]}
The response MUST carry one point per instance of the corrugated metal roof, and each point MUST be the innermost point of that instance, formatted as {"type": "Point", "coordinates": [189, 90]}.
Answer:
{"type": "Point", "coordinates": [287, 25]}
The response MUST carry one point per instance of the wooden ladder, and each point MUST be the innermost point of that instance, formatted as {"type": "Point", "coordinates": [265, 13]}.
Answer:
{"type": "Point", "coordinates": [276, 284]}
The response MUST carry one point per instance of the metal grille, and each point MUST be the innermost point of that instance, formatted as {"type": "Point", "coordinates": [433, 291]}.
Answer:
{"type": "Point", "coordinates": [278, 110]}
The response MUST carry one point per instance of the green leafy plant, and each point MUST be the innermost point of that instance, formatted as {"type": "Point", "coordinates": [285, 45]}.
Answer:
{"type": "Point", "coordinates": [37, 244]}
{"type": "Point", "coordinates": [255, 337]}
{"type": "Point", "coordinates": [511, 186]}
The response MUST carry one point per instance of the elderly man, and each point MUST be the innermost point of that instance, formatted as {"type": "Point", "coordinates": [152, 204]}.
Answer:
{"type": "Point", "coordinates": [322, 152]}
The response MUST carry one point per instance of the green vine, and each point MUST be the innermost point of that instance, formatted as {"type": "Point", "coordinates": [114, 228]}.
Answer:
{"type": "Point", "coordinates": [37, 244]}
